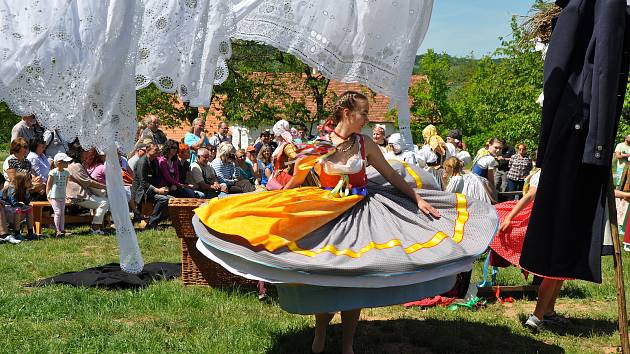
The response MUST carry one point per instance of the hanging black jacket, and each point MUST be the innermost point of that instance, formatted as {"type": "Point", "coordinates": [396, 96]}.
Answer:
{"type": "Point", "coordinates": [585, 77]}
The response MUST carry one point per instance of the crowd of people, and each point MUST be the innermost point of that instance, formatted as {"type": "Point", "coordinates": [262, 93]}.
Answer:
{"type": "Point", "coordinates": [206, 165]}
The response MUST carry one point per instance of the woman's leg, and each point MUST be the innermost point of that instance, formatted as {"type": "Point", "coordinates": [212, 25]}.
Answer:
{"type": "Point", "coordinates": [556, 292]}
{"type": "Point", "coordinates": [547, 292]}
{"type": "Point", "coordinates": [349, 321]}
{"type": "Point", "coordinates": [321, 324]}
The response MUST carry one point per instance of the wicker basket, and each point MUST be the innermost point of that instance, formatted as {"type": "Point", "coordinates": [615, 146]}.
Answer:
{"type": "Point", "coordinates": [196, 268]}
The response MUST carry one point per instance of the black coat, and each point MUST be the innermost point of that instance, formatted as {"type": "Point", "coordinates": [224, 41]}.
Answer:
{"type": "Point", "coordinates": [145, 175]}
{"type": "Point", "coordinates": [585, 76]}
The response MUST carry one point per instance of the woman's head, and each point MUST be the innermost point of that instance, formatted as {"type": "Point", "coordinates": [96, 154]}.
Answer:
{"type": "Point", "coordinates": [241, 156]}
{"type": "Point", "coordinates": [351, 108]}
{"type": "Point", "coordinates": [198, 125]}
{"type": "Point", "coordinates": [92, 158]}
{"type": "Point", "coordinates": [394, 143]}
{"type": "Point", "coordinates": [453, 167]}
{"type": "Point", "coordinates": [264, 154]}
{"type": "Point", "coordinates": [378, 134]}
{"type": "Point", "coordinates": [226, 152]}
{"type": "Point", "coordinates": [184, 152]}
{"type": "Point", "coordinates": [37, 145]}
{"type": "Point", "coordinates": [19, 147]}
{"type": "Point", "coordinates": [170, 149]}
{"type": "Point", "coordinates": [282, 131]}
{"type": "Point", "coordinates": [495, 145]}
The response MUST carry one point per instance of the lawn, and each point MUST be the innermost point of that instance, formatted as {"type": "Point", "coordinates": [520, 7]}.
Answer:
{"type": "Point", "coordinates": [169, 317]}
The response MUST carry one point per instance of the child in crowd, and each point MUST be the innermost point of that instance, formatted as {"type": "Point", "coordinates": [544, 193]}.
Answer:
{"type": "Point", "coordinates": [18, 200]}
{"type": "Point", "coordinates": [56, 190]}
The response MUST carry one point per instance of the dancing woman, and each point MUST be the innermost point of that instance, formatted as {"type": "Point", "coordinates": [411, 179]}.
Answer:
{"type": "Point", "coordinates": [352, 243]}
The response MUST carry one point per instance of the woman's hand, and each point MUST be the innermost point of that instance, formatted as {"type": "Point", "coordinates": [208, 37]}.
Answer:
{"type": "Point", "coordinates": [428, 208]}
{"type": "Point", "coordinates": [505, 224]}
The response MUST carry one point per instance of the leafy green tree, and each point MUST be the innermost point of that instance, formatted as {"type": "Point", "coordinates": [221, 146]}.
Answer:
{"type": "Point", "coordinates": [7, 121]}
{"type": "Point", "coordinates": [500, 97]}
{"type": "Point", "coordinates": [172, 113]}
{"type": "Point", "coordinates": [430, 97]}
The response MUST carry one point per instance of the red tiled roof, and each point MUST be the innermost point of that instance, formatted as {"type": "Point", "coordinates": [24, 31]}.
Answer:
{"type": "Point", "coordinates": [379, 104]}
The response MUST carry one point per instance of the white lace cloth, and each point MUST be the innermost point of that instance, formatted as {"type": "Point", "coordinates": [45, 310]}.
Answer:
{"type": "Point", "coordinates": [75, 64]}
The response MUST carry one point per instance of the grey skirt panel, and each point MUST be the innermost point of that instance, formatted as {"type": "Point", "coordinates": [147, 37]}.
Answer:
{"type": "Point", "coordinates": [377, 236]}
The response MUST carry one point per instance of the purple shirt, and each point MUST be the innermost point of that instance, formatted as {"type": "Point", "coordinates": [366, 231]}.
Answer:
{"type": "Point", "coordinates": [169, 175]}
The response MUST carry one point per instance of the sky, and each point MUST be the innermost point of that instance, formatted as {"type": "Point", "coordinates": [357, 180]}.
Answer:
{"type": "Point", "coordinates": [459, 27]}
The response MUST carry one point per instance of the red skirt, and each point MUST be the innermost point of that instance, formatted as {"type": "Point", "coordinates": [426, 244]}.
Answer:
{"type": "Point", "coordinates": [508, 245]}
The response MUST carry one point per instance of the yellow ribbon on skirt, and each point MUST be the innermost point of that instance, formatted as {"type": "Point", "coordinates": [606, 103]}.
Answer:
{"type": "Point", "coordinates": [274, 219]}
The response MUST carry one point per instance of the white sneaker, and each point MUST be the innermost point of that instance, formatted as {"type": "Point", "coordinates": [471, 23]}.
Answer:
{"type": "Point", "coordinates": [626, 247]}
{"type": "Point", "coordinates": [534, 323]}
{"type": "Point", "coordinates": [12, 240]}
{"type": "Point", "coordinates": [98, 232]}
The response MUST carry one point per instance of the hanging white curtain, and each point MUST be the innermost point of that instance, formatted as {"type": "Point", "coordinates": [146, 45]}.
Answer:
{"type": "Point", "coordinates": [75, 64]}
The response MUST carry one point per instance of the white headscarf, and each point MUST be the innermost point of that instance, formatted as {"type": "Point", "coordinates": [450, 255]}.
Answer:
{"type": "Point", "coordinates": [282, 131]}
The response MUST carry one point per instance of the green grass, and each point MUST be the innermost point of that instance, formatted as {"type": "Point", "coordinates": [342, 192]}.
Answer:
{"type": "Point", "coordinates": [170, 317]}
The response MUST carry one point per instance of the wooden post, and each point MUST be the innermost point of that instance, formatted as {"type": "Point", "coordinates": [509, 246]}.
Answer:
{"type": "Point", "coordinates": [621, 291]}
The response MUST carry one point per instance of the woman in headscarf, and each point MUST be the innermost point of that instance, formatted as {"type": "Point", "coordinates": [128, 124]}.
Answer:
{"type": "Point", "coordinates": [433, 152]}
{"type": "Point", "coordinates": [378, 136]}
{"type": "Point", "coordinates": [282, 156]}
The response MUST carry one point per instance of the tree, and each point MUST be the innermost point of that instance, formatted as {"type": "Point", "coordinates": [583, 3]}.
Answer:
{"type": "Point", "coordinates": [262, 84]}
{"type": "Point", "coordinates": [8, 120]}
{"type": "Point", "coordinates": [500, 97]}
{"type": "Point", "coordinates": [430, 97]}
{"type": "Point", "coordinates": [167, 106]}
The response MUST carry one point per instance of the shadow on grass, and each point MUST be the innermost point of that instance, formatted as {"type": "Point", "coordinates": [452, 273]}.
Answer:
{"type": "Point", "coordinates": [419, 336]}
{"type": "Point", "coordinates": [574, 292]}
{"type": "Point", "coordinates": [580, 327]}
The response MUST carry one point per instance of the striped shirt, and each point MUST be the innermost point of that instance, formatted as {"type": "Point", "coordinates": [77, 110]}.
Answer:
{"type": "Point", "coordinates": [226, 172]}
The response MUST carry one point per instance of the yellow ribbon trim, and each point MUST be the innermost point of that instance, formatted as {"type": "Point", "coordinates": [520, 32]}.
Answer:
{"type": "Point", "coordinates": [458, 235]}
{"type": "Point", "coordinates": [411, 172]}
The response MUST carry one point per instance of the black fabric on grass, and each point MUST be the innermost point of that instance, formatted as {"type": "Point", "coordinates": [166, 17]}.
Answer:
{"type": "Point", "coordinates": [110, 276]}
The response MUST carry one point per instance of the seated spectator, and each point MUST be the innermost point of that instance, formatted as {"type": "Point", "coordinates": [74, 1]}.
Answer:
{"type": "Point", "coordinates": [168, 171]}
{"type": "Point", "coordinates": [265, 164]}
{"type": "Point", "coordinates": [378, 136]}
{"type": "Point", "coordinates": [221, 136]}
{"type": "Point", "coordinates": [250, 156]}
{"type": "Point", "coordinates": [18, 162]}
{"type": "Point", "coordinates": [265, 139]}
{"type": "Point", "coordinates": [24, 129]}
{"type": "Point", "coordinates": [203, 178]}
{"type": "Point", "coordinates": [144, 188]}
{"type": "Point", "coordinates": [54, 143]}
{"type": "Point", "coordinates": [196, 138]}
{"type": "Point", "coordinates": [140, 150]}
{"type": "Point", "coordinates": [183, 165]}
{"type": "Point", "coordinates": [94, 163]}
{"type": "Point", "coordinates": [245, 167]}
{"type": "Point", "coordinates": [153, 131]}
{"type": "Point", "coordinates": [226, 170]}
{"type": "Point", "coordinates": [38, 159]}
{"type": "Point", "coordinates": [84, 191]}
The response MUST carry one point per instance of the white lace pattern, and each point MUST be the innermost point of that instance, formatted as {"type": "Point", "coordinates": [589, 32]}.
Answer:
{"type": "Point", "coordinates": [75, 64]}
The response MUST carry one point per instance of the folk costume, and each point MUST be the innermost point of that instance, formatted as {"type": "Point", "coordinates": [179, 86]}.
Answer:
{"type": "Point", "coordinates": [356, 242]}
{"type": "Point", "coordinates": [585, 75]}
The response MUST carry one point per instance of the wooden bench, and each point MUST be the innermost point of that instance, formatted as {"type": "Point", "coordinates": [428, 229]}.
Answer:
{"type": "Point", "coordinates": [39, 219]}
